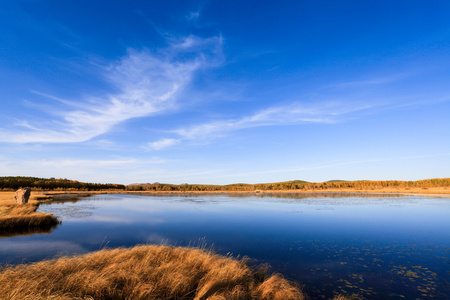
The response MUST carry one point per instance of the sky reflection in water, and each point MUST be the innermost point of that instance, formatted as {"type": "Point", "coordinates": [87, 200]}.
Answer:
{"type": "Point", "coordinates": [376, 247]}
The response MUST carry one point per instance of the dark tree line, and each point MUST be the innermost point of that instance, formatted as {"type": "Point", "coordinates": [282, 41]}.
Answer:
{"type": "Point", "coordinates": [14, 183]}
{"type": "Point", "coordinates": [293, 185]}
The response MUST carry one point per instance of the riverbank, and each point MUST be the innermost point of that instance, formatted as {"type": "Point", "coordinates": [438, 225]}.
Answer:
{"type": "Point", "coordinates": [144, 272]}
{"type": "Point", "coordinates": [15, 217]}
{"type": "Point", "coordinates": [387, 190]}
{"type": "Point", "coordinates": [431, 191]}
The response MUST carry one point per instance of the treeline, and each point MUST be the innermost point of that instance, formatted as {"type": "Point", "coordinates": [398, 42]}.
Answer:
{"type": "Point", "coordinates": [51, 184]}
{"type": "Point", "coordinates": [14, 183]}
{"type": "Point", "coordinates": [293, 185]}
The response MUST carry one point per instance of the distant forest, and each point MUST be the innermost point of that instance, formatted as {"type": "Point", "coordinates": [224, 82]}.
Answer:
{"type": "Point", "coordinates": [293, 185]}
{"type": "Point", "coordinates": [51, 184]}
{"type": "Point", "coordinates": [13, 183]}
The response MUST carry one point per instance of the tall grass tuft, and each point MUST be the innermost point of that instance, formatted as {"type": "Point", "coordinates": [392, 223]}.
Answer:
{"type": "Point", "coordinates": [143, 272]}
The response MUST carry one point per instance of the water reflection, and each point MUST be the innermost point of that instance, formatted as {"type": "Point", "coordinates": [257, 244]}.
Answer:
{"type": "Point", "coordinates": [304, 195]}
{"type": "Point", "coordinates": [5, 233]}
{"type": "Point", "coordinates": [64, 209]}
{"type": "Point", "coordinates": [282, 195]}
{"type": "Point", "coordinates": [29, 249]}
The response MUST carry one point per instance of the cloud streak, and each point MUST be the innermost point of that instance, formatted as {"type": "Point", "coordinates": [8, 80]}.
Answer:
{"type": "Point", "coordinates": [161, 144]}
{"type": "Point", "coordinates": [292, 114]}
{"type": "Point", "coordinates": [145, 84]}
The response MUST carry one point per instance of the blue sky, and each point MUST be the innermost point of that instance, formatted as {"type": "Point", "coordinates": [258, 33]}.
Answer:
{"type": "Point", "coordinates": [221, 92]}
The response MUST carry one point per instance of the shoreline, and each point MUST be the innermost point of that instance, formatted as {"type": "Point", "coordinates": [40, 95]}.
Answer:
{"type": "Point", "coordinates": [24, 218]}
{"type": "Point", "coordinates": [43, 196]}
{"type": "Point", "coordinates": [13, 216]}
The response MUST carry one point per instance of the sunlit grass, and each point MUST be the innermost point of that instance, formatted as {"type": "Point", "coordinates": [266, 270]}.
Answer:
{"type": "Point", "coordinates": [143, 272]}
{"type": "Point", "coordinates": [14, 216]}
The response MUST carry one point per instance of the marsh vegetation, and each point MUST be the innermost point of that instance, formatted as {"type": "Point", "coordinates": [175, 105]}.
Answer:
{"type": "Point", "coordinates": [23, 218]}
{"type": "Point", "coordinates": [144, 272]}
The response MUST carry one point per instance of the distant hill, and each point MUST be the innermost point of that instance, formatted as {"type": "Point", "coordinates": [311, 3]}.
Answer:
{"type": "Point", "coordinates": [296, 181]}
{"type": "Point", "coordinates": [337, 180]}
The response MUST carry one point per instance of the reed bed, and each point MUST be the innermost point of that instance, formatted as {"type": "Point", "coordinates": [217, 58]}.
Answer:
{"type": "Point", "coordinates": [144, 272]}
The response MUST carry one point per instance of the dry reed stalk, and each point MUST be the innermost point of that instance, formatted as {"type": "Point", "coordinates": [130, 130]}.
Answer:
{"type": "Point", "coordinates": [142, 272]}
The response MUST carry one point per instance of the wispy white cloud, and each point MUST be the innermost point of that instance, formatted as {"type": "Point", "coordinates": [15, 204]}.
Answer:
{"type": "Point", "coordinates": [193, 16]}
{"type": "Point", "coordinates": [374, 81]}
{"type": "Point", "coordinates": [83, 163]}
{"type": "Point", "coordinates": [292, 114]}
{"type": "Point", "coordinates": [145, 84]}
{"type": "Point", "coordinates": [161, 144]}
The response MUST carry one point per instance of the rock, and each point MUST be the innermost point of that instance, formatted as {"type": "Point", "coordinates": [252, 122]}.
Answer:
{"type": "Point", "coordinates": [22, 195]}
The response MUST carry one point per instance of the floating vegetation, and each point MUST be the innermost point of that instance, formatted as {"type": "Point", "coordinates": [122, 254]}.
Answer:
{"type": "Point", "coordinates": [366, 270]}
{"type": "Point", "coordinates": [70, 211]}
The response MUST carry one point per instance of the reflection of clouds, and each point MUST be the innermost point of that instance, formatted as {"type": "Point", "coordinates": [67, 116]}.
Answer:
{"type": "Point", "coordinates": [31, 249]}
{"type": "Point", "coordinates": [324, 199]}
{"type": "Point", "coordinates": [336, 199]}
{"type": "Point", "coordinates": [69, 210]}
{"type": "Point", "coordinates": [127, 203]}
{"type": "Point", "coordinates": [117, 219]}
{"type": "Point", "coordinates": [103, 218]}
{"type": "Point", "coordinates": [155, 238]}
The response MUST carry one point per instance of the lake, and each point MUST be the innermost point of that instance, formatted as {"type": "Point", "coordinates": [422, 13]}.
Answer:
{"type": "Point", "coordinates": [375, 246]}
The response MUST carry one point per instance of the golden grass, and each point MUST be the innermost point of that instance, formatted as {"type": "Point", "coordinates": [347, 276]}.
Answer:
{"type": "Point", "coordinates": [7, 198]}
{"type": "Point", "coordinates": [143, 272]}
{"type": "Point", "coordinates": [13, 216]}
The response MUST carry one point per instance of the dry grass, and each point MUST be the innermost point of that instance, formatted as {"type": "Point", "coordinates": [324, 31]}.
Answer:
{"type": "Point", "coordinates": [341, 297]}
{"type": "Point", "coordinates": [23, 218]}
{"type": "Point", "coordinates": [14, 216]}
{"type": "Point", "coordinates": [7, 198]}
{"type": "Point", "coordinates": [143, 272]}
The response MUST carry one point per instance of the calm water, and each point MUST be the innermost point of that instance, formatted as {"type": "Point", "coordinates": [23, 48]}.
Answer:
{"type": "Point", "coordinates": [377, 247]}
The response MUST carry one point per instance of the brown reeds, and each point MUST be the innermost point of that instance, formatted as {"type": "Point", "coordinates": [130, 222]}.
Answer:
{"type": "Point", "coordinates": [143, 272]}
{"type": "Point", "coordinates": [24, 216]}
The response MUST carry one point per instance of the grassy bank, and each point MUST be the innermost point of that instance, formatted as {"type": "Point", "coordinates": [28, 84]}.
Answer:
{"type": "Point", "coordinates": [439, 185]}
{"type": "Point", "coordinates": [143, 272]}
{"type": "Point", "coordinates": [431, 191]}
{"type": "Point", "coordinates": [22, 217]}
